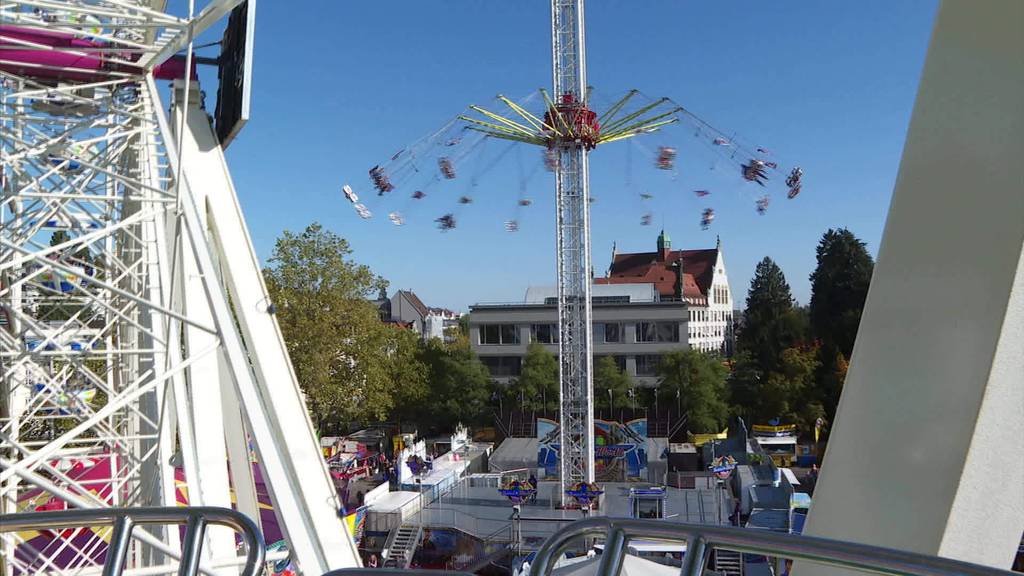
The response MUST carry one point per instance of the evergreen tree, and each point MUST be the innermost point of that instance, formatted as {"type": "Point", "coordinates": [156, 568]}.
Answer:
{"type": "Point", "coordinates": [699, 380]}
{"type": "Point", "coordinates": [839, 286]}
{"type": "Point", "coordinates": [770, 323]}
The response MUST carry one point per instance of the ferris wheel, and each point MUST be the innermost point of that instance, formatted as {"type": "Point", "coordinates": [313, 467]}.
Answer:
{"type": "Point", "coordinates": [127, 376]}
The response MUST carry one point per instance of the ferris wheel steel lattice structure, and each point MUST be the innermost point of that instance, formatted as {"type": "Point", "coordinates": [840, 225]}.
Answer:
{"type": "Point", "coordinates": [140, 361]}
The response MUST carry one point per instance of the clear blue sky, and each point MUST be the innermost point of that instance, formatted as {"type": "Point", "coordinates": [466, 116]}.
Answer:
{"type": "Point", "coordinates": [340, 86]}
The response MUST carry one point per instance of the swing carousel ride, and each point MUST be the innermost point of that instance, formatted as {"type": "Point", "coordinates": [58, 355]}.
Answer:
{"type": "Point", "coordinates": [567, 129]}
{"type": "Point", "coordinates": [471, 145]}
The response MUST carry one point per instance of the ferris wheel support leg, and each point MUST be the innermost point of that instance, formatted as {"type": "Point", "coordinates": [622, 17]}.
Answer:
{"type": "Point", "coordinates": [160, 477]}
{"type": "Point", "coordinates": [203, 392]}
{"type": "Point", "coordinates": [13, 386]}
{"type": "Point", "coordinates": [300, 486]}
{"type": "Point", "coordinates": [934, 397]}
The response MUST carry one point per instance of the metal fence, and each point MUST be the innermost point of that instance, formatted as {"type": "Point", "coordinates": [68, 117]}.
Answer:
{"type": "Point", "coordinates": [124, 520]}
{"type": "Point", "coordinates": [702, 539]}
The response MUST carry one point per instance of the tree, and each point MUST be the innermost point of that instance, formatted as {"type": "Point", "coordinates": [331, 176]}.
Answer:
{"type": "Point", "coordinates": [770, 323]}
{"type": "Point", "coordinates": [60, 306]}
{"type": "Point", "coordinates": [344, 358]}
{"type": "Point", "coordinates": [839, 286]}
{"type": "Point", "coordinates": [699, 381]}
{"type": "Point", "coordinates": [611, 385]}
{"type": "Point", "coordinates": [537, 384]}
{"type": "Point", "coordinates": [409, 373]}
{"type": "Point", "coordinates": [786, 393]}
{"type": "Point", "coordinates": [745, 386]}
{"type": "Point", "coordinates": [829, 381]}
{"type": "Point", "coordinates": [459, 385]}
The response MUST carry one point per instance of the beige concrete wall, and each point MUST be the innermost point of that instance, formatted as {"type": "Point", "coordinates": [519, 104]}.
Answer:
{"type": "Point", "coordinates": [927, 453]}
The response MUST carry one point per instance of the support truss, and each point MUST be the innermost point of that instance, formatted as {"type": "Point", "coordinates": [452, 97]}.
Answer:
{"type": "Point", "coordinates": [126, 376]}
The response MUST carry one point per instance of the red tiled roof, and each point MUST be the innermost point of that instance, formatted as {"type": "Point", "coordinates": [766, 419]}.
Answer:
{"type": "Point", "coordinates": [399, 324]}
{"type": "Point", "coordinates": [651, 267]}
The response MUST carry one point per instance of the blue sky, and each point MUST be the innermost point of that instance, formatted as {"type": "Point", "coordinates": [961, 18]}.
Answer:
{"type": "Point", "coordinates": [340, 86]}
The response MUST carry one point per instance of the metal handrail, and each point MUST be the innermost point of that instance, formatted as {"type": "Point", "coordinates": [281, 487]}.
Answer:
{"type": "Point", "coordinates": [389, 571]}
{"type": "Point", "coordinates": [701, 539]}
{"type": "Point", "coordinates": [124, 520]}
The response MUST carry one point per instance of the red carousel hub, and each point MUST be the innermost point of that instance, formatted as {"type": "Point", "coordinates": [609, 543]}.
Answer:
{"type": "Point", "coordinates": [580, 120]}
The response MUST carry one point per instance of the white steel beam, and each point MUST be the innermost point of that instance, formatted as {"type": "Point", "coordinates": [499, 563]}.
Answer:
{"type": "Point", "coordinates": [303, 494]}
{"type": "Point", "coordinates": [203, 395]}
{"type": "Point", "coordinates": [927, 453]}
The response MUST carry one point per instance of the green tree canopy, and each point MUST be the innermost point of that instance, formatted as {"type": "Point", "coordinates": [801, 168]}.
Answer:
{"type": "Point", "coordinates": [839, 286]}
{"type": "Point", "coordinates": [699, 380]}
{"type": "Point", "coordinates": [537, 384]}
{"type": "Point", "coordinates": [770, 322]}
{"type": "Point", "coordinates": [460, 385]}
{"type": "Point", "coordinates": [345, 359]}
{"type": "Point", "coordinates": [608, 378]}
{"type": "Point", "coordinates": [786, 393]}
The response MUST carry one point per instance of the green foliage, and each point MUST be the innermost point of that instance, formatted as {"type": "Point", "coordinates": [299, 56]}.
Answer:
{"type": "Point", "coordinates": [830, 377]}
{"type": "Point", "coordinates": [785, 393]}
{"type": "Point", "coordinates": [57, 306]}
{"type": "Point", "coordinates": [608, 377]}
{"type": "Point", "coordinates": [345, 359]}
{"type": "Point", "coordinates": [459, 385]}
{"type": "Point", "coordinates": [537, 384]}
{"type": "Point", "coordinates": [839, 286]}
{"type": "Point", "coordinates": [774, 373]}
{"type": "Point", "coordinates": [770, 323]}
{"type": "Point", "coordinates": [699, 379]}
{"type": "Point", "coordinates": [745, 386]}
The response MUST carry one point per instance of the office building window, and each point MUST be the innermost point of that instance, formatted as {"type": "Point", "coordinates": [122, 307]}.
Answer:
{"type": "Point", "coordinates": [647, 365]}
{"type": "Point", "coordinates": [657, 332]}
{"type": "Point", "coordinates": [499, 334]}
{"type": "Point", "coordinates": [607, 333]}
{"type": "Point", "coordinates": [500, 366]}
{"type": "Point", "coordinates": [544, 333]}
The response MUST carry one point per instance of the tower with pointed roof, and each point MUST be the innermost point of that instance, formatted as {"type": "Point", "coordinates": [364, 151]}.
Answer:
{"type": "Point", "coordinates": [664, 246]}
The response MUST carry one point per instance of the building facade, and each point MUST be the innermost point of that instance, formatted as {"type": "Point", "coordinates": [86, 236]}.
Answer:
{"type": "Point", "coordinates": [648, 304]}
{"type": "Point", "coordinates": [406, 309]}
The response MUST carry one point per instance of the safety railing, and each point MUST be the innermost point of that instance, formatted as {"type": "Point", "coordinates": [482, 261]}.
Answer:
{"type": "Point", "coordinates": [702, 539]}
{"type": "Point", "coordinates": [124, 520]}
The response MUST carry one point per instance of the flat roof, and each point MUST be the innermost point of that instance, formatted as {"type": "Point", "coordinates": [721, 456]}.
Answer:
{"type": "Point", "coordinates": [393, 501]}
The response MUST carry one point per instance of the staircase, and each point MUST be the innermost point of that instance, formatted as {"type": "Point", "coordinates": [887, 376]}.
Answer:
{"type": "Point", "coordinates": [401, 546]}
{"type": "Point", "coordinates": [728, 562]}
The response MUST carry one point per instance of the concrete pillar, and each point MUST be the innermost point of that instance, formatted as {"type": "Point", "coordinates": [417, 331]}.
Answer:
{"type": "Point", "coordinates": [927, 453]}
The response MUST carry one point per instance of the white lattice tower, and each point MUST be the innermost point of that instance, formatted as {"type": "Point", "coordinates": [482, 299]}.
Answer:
{"type": "Point", "coordinates": [572, 208]}
{"type": "Point", "coordinates": [120, 349]}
